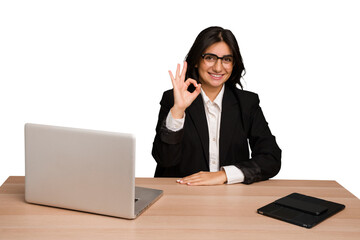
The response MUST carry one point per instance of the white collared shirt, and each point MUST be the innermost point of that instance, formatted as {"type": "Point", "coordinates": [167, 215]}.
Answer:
{"type": "Point", "coordinates": [213, 117]}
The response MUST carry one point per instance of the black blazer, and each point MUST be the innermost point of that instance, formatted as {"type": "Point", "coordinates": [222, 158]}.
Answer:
{"type": "Point", "coordinates": [182, 153]}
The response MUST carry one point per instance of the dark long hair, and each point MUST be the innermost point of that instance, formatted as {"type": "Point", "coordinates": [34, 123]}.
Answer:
{"type": "Point", "coordinates": [205, 39]}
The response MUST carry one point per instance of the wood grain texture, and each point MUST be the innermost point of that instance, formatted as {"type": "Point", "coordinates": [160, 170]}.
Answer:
{"type": "Point", "coordinates": [183, 212]}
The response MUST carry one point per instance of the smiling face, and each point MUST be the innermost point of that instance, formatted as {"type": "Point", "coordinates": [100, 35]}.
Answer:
{"type": "Point", "coordinates": [213, 77]}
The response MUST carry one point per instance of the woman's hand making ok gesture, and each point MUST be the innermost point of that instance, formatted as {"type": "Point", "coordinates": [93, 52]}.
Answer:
{"type": "Point", "coordinates": [182, 97]}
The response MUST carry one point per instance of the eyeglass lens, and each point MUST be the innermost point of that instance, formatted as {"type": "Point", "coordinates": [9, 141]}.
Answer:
{"type": "Point", "coordinates": [211, 59]}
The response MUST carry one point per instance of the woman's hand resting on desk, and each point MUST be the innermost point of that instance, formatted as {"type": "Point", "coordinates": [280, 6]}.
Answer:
{"type": "Point", "coordinates": [204, 178]}
{"type": "Point", "coordinates": [182, 97]}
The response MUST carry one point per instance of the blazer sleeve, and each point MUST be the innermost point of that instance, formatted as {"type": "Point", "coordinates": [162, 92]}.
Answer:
{"type": "Point", "coordinates": [265, 159]}
{"type": "Point", "coordinates": [167, 144]}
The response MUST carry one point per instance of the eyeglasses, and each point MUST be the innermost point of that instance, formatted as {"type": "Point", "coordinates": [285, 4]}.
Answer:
{"type": "Point", "coordinates": [210, 59]}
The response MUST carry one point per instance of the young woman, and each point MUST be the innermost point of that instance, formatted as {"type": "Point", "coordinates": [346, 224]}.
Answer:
{"type": "Point", "coordinates": [206, 123]}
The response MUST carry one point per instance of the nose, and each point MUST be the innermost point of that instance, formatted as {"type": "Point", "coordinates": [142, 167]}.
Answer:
{"type": "Point", "coordinates": [218, 66]}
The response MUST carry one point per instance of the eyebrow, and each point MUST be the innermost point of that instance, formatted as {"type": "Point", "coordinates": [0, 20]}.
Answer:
{"type": "Point", "coordinates": [228, 55]}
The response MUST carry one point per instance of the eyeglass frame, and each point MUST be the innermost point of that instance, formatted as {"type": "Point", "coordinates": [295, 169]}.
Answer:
{"type": "Point", "coordinates": [214, 55]}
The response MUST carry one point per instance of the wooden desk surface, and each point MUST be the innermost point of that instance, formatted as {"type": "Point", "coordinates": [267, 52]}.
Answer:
{"type": "Point", "coordinates": [183, 212]}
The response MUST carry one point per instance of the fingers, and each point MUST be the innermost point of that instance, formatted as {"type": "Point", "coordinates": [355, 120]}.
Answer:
{"type": "Point", "coordinates": [198, 181]}
{"type": "Point", "coordinates": [197, 91]}
{"type": "Point", "coordinates": [191, 178]}
{"type": "Point", "coordinates": [191, 81]}
{"type": "Point", "coordinates": [178, 81]}
{"type": "Point", "coordinates": [179, 75]}
{"type": "Point", "coordinates": [183, 72]}
{"type": "Point", "coordinates": [195, 179]}
{"type": "Point", "coordinates": [204, 178]}
{"type": "Point", "coordinates": [172, 77]}
{"type": "Point", "coordinates": [178, 70]}
{"type": "Point", "coordinates": [182, 97]}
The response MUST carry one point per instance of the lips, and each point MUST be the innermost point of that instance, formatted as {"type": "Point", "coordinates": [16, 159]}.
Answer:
{"type": "Point", "coordinates": [216, 76]}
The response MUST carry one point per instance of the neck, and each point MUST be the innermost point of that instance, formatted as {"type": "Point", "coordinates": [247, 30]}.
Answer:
{"type": "Point", "coordinates": [211, 93]}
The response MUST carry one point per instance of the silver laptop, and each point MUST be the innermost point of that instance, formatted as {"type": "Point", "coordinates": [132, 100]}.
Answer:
{"type": "Point", "coordinates": [85, 170]}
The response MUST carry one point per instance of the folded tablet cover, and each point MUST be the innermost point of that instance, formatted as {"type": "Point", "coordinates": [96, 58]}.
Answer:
{"type": "Point", "coordinates": [301, 210]}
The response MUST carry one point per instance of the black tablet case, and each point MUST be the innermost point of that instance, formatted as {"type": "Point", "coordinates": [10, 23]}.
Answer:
{"type": "Point", "coordinates": [301, 210]}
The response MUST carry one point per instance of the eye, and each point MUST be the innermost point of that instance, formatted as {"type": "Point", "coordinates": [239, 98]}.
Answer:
{"type": "Point", "coordinates": [228, 59]}
{"type": "Point", "coordinates": [210, 58]}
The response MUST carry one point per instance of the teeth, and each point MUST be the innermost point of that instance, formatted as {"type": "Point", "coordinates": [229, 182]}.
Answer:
{"type": "Point", "coordinates": [216, 75]}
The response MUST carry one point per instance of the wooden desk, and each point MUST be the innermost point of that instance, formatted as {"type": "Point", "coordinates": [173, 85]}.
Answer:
{"type": "Point", "coordinates": [183, 212]}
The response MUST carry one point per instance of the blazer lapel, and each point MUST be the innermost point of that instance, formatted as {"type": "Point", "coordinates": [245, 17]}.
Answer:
{"type": "Point", "coordinates": [196, 112]}
{"type": "Point", "coordinates": [230, 121]}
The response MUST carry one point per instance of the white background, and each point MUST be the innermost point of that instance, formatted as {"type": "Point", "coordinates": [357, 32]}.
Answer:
{"type": "Point", "coordinates": [103, 65]}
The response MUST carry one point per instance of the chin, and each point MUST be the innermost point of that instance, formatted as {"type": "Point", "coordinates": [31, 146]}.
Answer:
{"type": "Point", "coordinates": [216, 85]}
